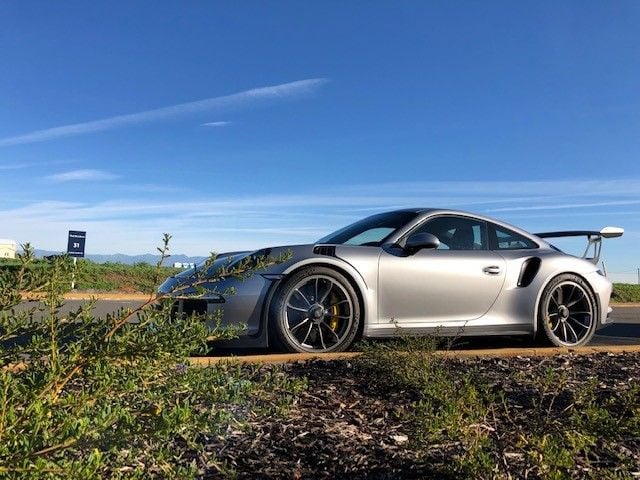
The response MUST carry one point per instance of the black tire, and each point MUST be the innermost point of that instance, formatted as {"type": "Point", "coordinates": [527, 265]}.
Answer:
{"type": "Point", "coordinates": [568, 313]}
{"type": "Point", "coordinates": [331, 323]}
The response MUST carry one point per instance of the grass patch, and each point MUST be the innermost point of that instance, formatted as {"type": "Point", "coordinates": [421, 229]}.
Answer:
{"type": "Point", "coordinates": [626, 293]}
{"type": "Point", "coordinates": [140, 277]}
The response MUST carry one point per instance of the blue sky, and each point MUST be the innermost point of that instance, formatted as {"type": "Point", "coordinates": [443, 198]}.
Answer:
{"type": "Point", "coordinates": [244, 124]}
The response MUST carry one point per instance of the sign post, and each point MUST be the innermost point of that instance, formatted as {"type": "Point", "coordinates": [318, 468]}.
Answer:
{"type": "Point", "coordinates": [75, 249]}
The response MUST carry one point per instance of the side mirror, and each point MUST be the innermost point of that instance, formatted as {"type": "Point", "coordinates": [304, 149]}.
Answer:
{"type": "Point", "coordinates": [418, 241]}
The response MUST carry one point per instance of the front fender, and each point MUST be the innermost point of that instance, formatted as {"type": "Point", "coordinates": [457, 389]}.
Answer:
{"type": "Point", "coordinates": [330, 262]}
{"type": "Point", "coordinates": [366, 287]}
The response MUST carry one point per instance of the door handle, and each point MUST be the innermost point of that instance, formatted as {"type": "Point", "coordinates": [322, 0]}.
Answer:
{"type": "Point", "coordinates": [491, 270]}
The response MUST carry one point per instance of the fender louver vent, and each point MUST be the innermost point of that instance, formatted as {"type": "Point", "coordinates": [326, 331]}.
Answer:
{"type": "Point", "coordinates": [528, 271]}
{"type": "Point", "coordinates": [328, 250]}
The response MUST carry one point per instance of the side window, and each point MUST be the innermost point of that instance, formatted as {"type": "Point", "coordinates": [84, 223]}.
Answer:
{"type": "Point", "coordinates": [456, 233]}
{"type": "Point", "coordinates": [505, 239]}
{"type": "Point", "coordinates": [371, 236]}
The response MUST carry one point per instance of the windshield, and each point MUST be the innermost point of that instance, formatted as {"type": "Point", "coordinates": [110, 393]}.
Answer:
{"type": "Point", "coordinates": [370, 231]}
{"type": "Point", "coordinates": [225, 258]}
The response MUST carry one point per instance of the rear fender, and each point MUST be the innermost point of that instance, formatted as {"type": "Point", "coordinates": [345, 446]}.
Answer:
{"type": "Point", "coordinates": [552, 267]}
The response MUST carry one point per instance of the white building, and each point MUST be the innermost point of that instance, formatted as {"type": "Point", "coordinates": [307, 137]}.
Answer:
{"type": "Point", "coordinates": [183, 265]}
{"type": "Point", "coordinates": [8, 248]}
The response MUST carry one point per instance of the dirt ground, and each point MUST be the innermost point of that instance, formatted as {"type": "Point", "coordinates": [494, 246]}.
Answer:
{"type": "Point", "coordinates": [350, 425]}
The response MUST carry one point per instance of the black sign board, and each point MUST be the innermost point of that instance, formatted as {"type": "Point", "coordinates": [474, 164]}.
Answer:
{"type": "Point", "coordinates": [75, 245]}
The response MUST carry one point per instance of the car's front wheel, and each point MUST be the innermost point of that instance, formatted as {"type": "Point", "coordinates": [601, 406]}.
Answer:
{"type": "Point", "coordinates": [315, 310]}
{"type": "Point", "coordinates": [568, 313]}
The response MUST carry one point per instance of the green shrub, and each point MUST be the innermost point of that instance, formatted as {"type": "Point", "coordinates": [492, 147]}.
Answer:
{"type": "Point", "coordinates": [82, 397]}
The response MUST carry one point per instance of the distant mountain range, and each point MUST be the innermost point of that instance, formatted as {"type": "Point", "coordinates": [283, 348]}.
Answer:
{"type": "Point", "coordinates": [129, 259]}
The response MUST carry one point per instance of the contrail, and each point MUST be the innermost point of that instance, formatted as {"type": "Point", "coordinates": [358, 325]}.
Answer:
{"type": "Point", "coordinates": [274, 92]}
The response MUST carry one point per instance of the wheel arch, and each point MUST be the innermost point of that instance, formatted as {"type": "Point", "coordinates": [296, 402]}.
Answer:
{"type": "Point", "coordinates": [350, 273]}
{"type": "Point", "coordinates": [547, 281]}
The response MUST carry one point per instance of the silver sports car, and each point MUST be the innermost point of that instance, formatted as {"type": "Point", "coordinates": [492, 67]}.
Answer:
{"type": "Point", "coordinates": [418, 271]}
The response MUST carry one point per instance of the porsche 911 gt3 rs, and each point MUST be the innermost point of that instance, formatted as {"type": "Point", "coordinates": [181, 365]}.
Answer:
{"type": "Point", "coordinates": [419, 271]}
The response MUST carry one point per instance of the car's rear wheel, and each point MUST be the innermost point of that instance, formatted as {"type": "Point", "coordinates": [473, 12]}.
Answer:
{"type": "Point", "coordinates": [315, 310]}
{"type": "Point", "coordinates": [568, 313]}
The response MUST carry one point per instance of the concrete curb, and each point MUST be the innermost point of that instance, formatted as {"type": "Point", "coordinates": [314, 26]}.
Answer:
{"type": "Point", "coordinates": [280, 358]}
{"type": "Point", "coordinates": [86, 296]}
{"type": "Point", "coordinates": [113, 296]}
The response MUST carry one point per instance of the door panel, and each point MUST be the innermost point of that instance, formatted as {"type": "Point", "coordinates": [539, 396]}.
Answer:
{"type": "Point", "coordinates": [438, 285]}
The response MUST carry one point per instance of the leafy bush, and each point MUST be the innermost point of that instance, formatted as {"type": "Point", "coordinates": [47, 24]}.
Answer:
{"type": "Point", "coordinates": [84, 397]}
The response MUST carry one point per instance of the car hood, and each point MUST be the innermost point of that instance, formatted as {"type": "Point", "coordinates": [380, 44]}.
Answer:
{"type": "Point", "coordinates": [185, 277]}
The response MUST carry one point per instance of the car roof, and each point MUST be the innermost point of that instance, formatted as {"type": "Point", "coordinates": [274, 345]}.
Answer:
{"type": "Point", "coordinates": [419, 210]}
{"type": "Point", "coordinates": [423, 212]}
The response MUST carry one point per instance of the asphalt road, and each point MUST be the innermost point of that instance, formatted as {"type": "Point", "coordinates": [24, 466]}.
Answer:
{"type": "Point", "coordinates": [625, 330]}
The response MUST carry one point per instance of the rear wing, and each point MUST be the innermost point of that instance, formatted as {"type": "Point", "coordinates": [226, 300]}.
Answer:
{"type": "Point", "coordinates": [594, 239]}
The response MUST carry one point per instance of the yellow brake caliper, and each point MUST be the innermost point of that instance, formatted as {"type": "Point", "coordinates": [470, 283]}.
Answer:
{"type": "Point", "coordinates": [333, 321]}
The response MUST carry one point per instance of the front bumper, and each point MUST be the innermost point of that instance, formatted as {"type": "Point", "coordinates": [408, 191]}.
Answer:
{"type": "Point", "coordinates": [608, 320]}
{"type": "Point", "coordinates": [243, 307]}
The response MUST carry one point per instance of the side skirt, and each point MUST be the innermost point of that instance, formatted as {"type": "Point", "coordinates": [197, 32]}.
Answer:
{"type": "Point", "coordinates": [389, 331]}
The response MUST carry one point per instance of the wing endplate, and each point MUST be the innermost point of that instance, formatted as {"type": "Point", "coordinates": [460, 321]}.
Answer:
{"type": "Point", "coordinates": [612, 232]}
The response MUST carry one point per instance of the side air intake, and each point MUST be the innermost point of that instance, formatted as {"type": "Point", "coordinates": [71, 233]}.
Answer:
{"type": "Point", "coordinates": [327, 250]}
{"type": "Point", "coordinates": [528, 271]}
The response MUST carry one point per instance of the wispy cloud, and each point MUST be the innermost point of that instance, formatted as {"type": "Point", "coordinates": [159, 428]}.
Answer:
{"type": "Point", "coordinates": [15, 166]}
{"type": "Point", "coordinates": [23, 165]}
{"type": "Point", "coordinates": [202, 221]}
{"type": "Point", "coordinates": [82, 175]}
{"type": "Point", "coordinates": [216, 124]}
{"type": "Point", "coordinates": [563, 206]}
{"type": "Point", "coordinates": [149, 188]}
{"type": "Point", "coordinates": [246, 97]}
